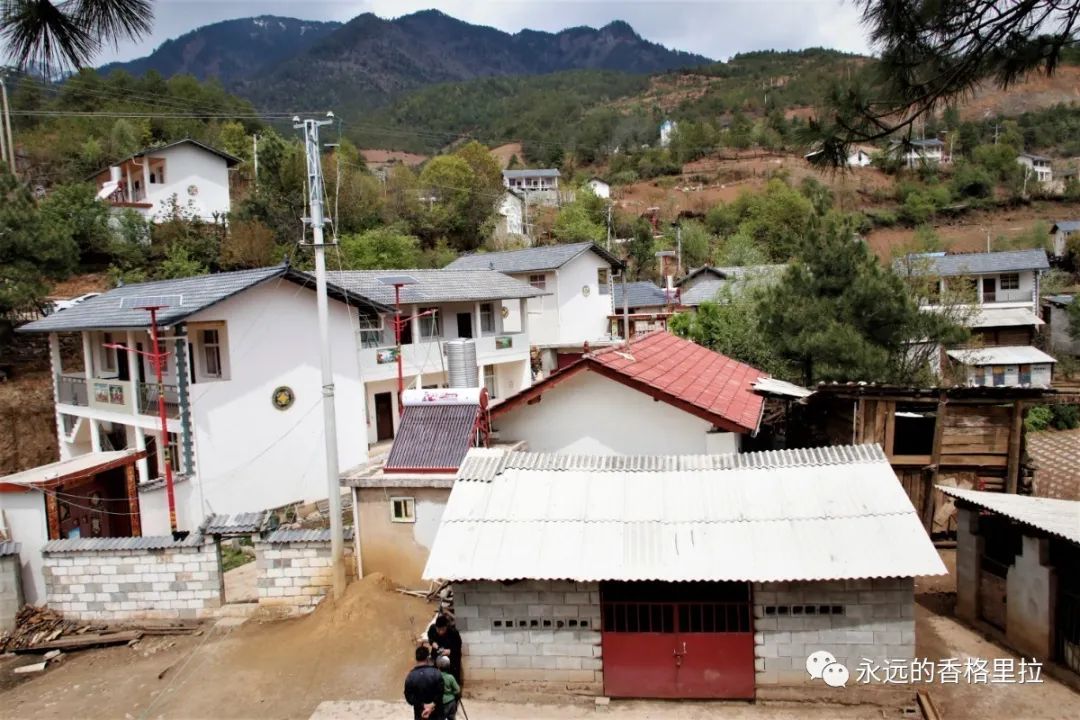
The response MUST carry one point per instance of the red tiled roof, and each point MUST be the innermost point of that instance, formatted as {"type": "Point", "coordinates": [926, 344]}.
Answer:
{"type": "Point", "coordinates": [691, 373]}
{"type": "Point", "coordinates": [679, 372]}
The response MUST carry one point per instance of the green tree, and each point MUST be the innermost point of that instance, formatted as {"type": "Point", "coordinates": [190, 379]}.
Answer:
{"type": "Point", "coordinates": [739, 249]}
{"type": "Point", "coordinates": [178, 263]}
{"type": "Point", "coordinates": [641, 248]}
{"type": "Point", "coordinates": [729, 325]}
{"type": "Point", "coordinates": [380, 249]}
{"type": "Point", "coordinates": [776, 219]}
{"type": "Point", "coordinates": [697, 244]}
{"type": "Point", "coordinates": [455, 209]}
{"type": "Point", "coordinates": [69, 34]}
{"type": "Point", "coordinates": [837, 314]}
{"type": "Point", "coordinates": [31, 252]}
{"type": "Point", "coordinates": [574, 224]}
{"type": "Point", "coordinates": [74, 211]}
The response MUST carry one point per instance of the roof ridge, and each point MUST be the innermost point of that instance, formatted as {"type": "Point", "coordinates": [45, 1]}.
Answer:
{"type": "Point", "coordinates": [693, 521]}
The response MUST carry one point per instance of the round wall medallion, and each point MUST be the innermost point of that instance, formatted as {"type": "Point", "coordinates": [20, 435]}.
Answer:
{"type": "Point", "coordinates": [505, 311]}
{"type": "Point", "coordinates": [283, 397]}
{"type": "Point", "coordinates": [192, 190]}
{"type": "Point", "coordinates": [585, 290]}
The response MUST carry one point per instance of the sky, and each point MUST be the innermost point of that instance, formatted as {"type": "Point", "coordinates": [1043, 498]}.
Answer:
{"type": "Point", "coordinates": [715, 28]}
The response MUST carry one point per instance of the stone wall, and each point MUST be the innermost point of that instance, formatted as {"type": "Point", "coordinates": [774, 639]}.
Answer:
{"type": "Point", "coordinates": [162, 580]}
{"type": "Point", "coordinates": [293, 568]}
{"type": "Point", "coordinates": [535, 631]}
{"type": "Point", "coordinates": [11, 595]}
{"type": "Point", "coordinates": [852, 619]}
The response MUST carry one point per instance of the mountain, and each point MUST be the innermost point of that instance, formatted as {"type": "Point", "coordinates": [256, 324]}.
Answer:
{"type": "Point", "coordinates": [232, 50]}
{"type": "Point", "coordinates": [288, 64]}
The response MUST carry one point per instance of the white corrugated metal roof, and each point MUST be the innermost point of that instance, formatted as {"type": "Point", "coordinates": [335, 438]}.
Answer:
{"type": "Point", "coordinates": [1058, 517]}
{"type": "Point", "coordinates": [72, 466]}
{"type": "Point", "coordinates": [773, 386]}
{"type": "Point", "coordinates": [1004, 317]}
{"type": "Point", "coordinates": [829, 513]}
{"type": "Point", "coordinates": [1009, 355]}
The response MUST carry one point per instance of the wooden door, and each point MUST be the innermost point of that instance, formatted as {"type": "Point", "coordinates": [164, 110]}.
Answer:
{"type": "Point", "coordinates": [989, 289]}
{"type": "Point", "coordinates": [384, 416]}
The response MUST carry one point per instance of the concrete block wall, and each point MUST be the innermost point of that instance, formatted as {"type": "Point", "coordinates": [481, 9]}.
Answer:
{"type": "Point", "coordinates": [11, 594]}
{"type": "Point", "coordinates": [871, 618]}
{"type": "Point", "coordinates": [1031, 610]}
{"type": "Point", "coordinates": [176, 582]}
{"type": "Point", "coordinates": [296, 575]}
{"type": "Point", "coordinates": [969, 546]}
{"type": "Point", "coordinates": [535, 631]}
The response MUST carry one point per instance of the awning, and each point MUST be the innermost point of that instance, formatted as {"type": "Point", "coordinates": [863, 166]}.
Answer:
{"type": "Point", "coordinates": [1010, 355]}
{"type": "Point", "coordinates": [1004, 317]}
{"type": "Point", "coordinates": [74, 468]}
{"type": "Point", "coordinates": [1057, 517]}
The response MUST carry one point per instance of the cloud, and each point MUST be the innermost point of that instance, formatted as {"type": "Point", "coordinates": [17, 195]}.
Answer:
{"type": "Point", "coordinates": [714, 28]}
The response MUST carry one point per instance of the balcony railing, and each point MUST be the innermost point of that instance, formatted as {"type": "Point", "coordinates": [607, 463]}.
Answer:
{"type": "Point", "coordinates": [1000, 296]}
{"type": "Point", "coordinates": [148, 399]}
{"type": "Point", "coordinates": [73, 390]}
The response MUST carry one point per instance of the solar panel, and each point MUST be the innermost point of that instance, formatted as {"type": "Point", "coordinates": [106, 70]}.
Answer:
{"type": "Point", "coordinates": [148, 301]}
{"type": "Point", "coordinates": [398, 280]}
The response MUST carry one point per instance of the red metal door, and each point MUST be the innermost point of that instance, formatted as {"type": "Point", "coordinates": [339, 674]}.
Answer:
{"type": "Point", "coordinates": [683, 649]}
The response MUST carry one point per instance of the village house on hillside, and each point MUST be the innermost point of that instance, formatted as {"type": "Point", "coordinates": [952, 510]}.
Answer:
{"type": "Point", "coordinates": [576, 282]}
{"type": "Point", "coordinates": [658, 394]}
{"type": "Point", "coordinates": [705, 283]}
{"type": "Point", "coordinates": [186, 174]}
{"type": "Point", "coordinates": [917, 153]}
{"type": "Point", "coordinates": [1036, 167]}
{"type": "Point", "coordinates": [647, 306]}
{"type": "Point", "coordinates": [667, 576]}
{"type": "Point", "coordinates": [1060, 233]}
{"type": "Point", "coordinates": [1056, 313]}
{"type": "Point", "coordinates": [510, 222]}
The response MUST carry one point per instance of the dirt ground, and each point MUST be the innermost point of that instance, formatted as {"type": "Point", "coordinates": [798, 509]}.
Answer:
{"type": "Point", "coordinates": [27, 422]}
{"type": "Point", "coordinates": [347, 660]}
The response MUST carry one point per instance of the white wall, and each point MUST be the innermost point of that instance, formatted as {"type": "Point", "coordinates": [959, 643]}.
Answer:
{"type": "Point", "coordinates": [543, 311]}
{"type": "Point", "coordinates": [27, 523]}
{"type": "Point", "coordinates": [154, 509]}
{"type": "Point", "coordinates": [590, 414]}
{"type": "Point", "coordinates": [599, 188]}
{"type": "Point", "coordinates": [1041, 374]}
{"type": "Point", "coordinates": [583, 317]}
{"type": "Point", "coordinates": [250, 455]}
{"type": "Point", "coordinates": [187, 165]}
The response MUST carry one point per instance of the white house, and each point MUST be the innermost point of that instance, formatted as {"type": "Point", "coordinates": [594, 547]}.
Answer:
{"type": "Point", "coordinates": [511, 216]}
{"type": "Point", "coordinates": [857, 156]}
{"type": "Point", "coordinates": [193, 176]}
{"type": "Point", "coordinates": [705, 283]}
{"type": "Point", "coordinates": [531, 180]}
{"type": "Point", "coordinates": [438, 305]}
{"type": "Point", "coordinates": [599, 188]}
{"type": "Point", "coordinates": [662, 395]}
{"type": "Point", "coordinates": [1061, 232]}
{"type": "Point", "coordinates": [1056, 312]}
{"type": "Point", "coordinates": [1036, 167]}
{"type": "Point", "coordinates": [242, 386]}
{"type": "Point", "coordinates": [577, 281]}
{"type": "Point", "coordinates": [667, 129]}
{"type": "Point", "coordinates": [1021, 365]}
{"type": "Point", "coordinates": [920, 152]}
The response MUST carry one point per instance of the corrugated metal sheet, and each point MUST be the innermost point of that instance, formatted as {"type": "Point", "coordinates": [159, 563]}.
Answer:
{"type": "Point", "coordinates": [294, 536]}
{"type": "Point", "coordinates": [827, 513]}
{"type": "Point", "coordinates": [241, 523]}
{"type": "Point", "coordinates": [1008, 355]}
{"type": "Point", "coordinates": [1057, 517]}
{"type": "Point", "coordinates": [8, 548]}
{"type": "Point", "coordinates": [111, 544]}
{"type": "Point", "coordinates": [781, 388]}
{"type": "Point", "coordinates": [433, 437]}
{"type": "Point", "coordinates": [1004, 317]}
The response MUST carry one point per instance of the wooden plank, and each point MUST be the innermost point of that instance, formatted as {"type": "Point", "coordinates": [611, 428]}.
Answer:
{"type": "Point", "coordinates": [890, 428]}
{"type": "Point", "coordinates": [880, 421]}
{"type": "Point", "coordinates": [910, 460]}
{"type": "Point", "coordinates": [79, 642]}
{"type": "Point", "coordinates": [1012, 479]}
{"type": "Point", "coordinates": [935, 461]}
{"type": "Point", "coordinates": [926, 704]}
{"type": "Point", "coordinates": [986, 460]}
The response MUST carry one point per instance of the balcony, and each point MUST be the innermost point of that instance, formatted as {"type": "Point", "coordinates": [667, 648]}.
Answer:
{"type": "Point", "coordinates": [148, 399]}
{"type": "Point", "coordinates": [115, 395]}
{"type": "Point", "coordinates": [73, 390]}
{"type": "Point", "coordinates": [1006, 296]}
{"type": "Point", "coordinates": [430, 356]}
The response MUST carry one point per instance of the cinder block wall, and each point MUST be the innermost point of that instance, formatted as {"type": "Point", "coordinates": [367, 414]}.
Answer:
{"type": "Point", "coordinates": [11, 595]}
{"type": "Point", "coordinates": [176, 582]}
{"type": "Point", "coordinates": [296, 574]}
{"type": "Point", "coordinates": [872, 618]}
{"type": "Point", "coordinates": [535, 631]}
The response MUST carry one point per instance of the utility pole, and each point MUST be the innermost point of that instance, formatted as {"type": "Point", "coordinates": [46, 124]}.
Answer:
{"type": "Point", "coordinates": [678, 250]}
{"type": "Point", "coordinates": [255, 155]}
{"type": "Point", "coordinates": [316, 221]}
{"type": "Point", "coordinates": [7, 124]}
{"type": "Point", "coordinates": [609, 226]}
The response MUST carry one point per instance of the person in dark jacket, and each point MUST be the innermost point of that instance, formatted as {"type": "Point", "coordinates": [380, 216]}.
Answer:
{"type": "Point", "coordinates": [424, 688]}
{"type": "Point", "coordinates": [446, 640]}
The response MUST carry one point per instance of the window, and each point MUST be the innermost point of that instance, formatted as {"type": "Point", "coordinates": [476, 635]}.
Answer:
{"type": "Point", "coordinates": [538, 281]}
{"type": "Point", "coordinates": [108, 355]}
{"type": "Point", "coordinates": [403, 509]}
{"type": "Point", "coordinates": [1025, 374]}
{"type": "Point", "coordinates": [913, 429]}
{"type": "Point", "coordinates": [602, 279]}
{"type": "Point", "coordinates": [1010, 281]}
{"type": "Point", "coordinates": [211, 346]}
{"type": "Point", "coordinates": [430, 325]}
{"type": "Point", "coordinates": [998, 373]}
{"type": "Point", "coordinates": [489, 381]}
{"type": "Point", "coordinates": [487, 318]}
{"type": "Point", "coordinates": [174, 452]}
{"type": "Point", "coordinates": [370, 329]}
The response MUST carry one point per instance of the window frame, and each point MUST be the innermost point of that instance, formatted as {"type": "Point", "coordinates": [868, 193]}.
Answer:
{"type": "Point", "coordinates": [1024, 373]}
{"type": "Point", "coordinates": [430, 325]}
{"type": "Point", "coordinates": [204, 355]}
{"type": "Point", "coordinates": [109, 361]}
{"type": "Point", "coordinates": [538, 281]}
{"type": "Point", "coordinates": [370, 327]}
{"type": "Point", "coordinates": [1012, 277]}
{"type": "Point", "coordinates": [487, 317]}
{"type": "Point", "coordinates": [492, 386]}
{"type": "Point", "coordinates": [408, 507]}
{"type": "Point", "coordinates": [996, 372]}
{"type": "Point", "coordinates": [603, 280]}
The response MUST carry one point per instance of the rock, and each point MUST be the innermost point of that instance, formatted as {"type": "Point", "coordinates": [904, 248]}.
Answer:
{"type": "Point", "coordinates": [35, 668]}
{"type": "Point", "coordinates": [247, 550]}
{"type": "Point", "coordinates": [52, 654]}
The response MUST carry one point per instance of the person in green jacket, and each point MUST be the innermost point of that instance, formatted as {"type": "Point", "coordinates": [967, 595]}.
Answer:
{"type": "Point", "coordinates": [451, 689]}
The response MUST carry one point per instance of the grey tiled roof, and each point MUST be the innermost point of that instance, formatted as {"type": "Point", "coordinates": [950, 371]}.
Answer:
{"type": "Point", "coordinates": [8, 548]}
{"type": "Point", "coordinates": [639, 294]}
{"type": "Point", "coordinates": [542, 257]}
{"type": "Point", "coordinates": [290, 536]}
{"type": "Point", "coordinates": [241, 523]}
{"type": "Point", "coordinates": [486, 467]}
{"type": "Point", "coordinates": [1067, 226]}
{"type": "Point", "coordinates": [714, 279]}
{"type": "Point", "coordinates": [1060, 300]}
{"type": "Point", "coordinates": [975, 263]}
{"type": "Point", "coordinates": [196, 293]}
{"type": "Point", "coordinates": [450, 285]}
{"type": "Point", "coordinates": [543, 172]}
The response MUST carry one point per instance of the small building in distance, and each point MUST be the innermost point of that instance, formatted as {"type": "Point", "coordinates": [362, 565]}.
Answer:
{"type": "Point", "coordinates": [1056, 312]}
{"type": "Point", "coordinates": [705, 283]}
{"type": "Point", "coordinates": [599, 187]}
{"type": "Point", "coordinates": [531, 180]}
{"type": "Point", "coordinates": [1016, 579]}
{"type": "Point", "coordinates": [186, 175]}
{"type": "Point", "coordinates": [510, 217]}
{"type": "Point", "coordinates": [647, 305]}
{"type": "Point", "coordinates": [667, 576]}
{"type": "Point", "coordinates": [920, 152]}
{"type": "Point", "coordinates": [1021, 365]}
{"type": "Point", "coordinates": [1061, 231]}
{"type": "Point", "coordinates": [659, 394]}
{"type": "Point", "coordinates": [1036, 167]}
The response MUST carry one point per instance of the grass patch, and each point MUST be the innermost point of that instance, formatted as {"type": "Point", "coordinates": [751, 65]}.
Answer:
{"type": "Point", "coordinates": [234, 557]}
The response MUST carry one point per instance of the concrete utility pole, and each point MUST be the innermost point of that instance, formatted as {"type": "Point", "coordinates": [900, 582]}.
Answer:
{"type": "Point", "coordinates": [678, 250]}
{"type": "Point", "coordinates": [316, 221]}
{"type": "Point", "coordinates": [7, 124]}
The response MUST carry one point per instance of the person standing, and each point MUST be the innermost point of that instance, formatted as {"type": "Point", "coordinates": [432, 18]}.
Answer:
{"type": "Point", "coordinates": [424, 688]}
{"type": "Point", "coordinates": [451, 689]}
{"type": "Point", "coordinates": [446, 640]}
